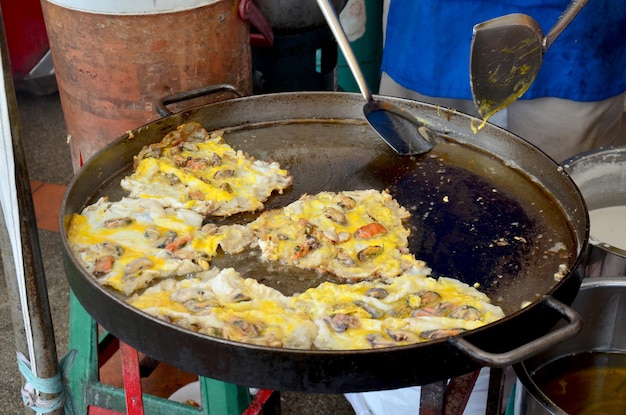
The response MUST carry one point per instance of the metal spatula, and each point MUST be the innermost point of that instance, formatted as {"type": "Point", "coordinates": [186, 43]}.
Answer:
{"type": "Point", "coordinates": [396, 126]}
{"type": "Point", "coordinates": [506, 55]}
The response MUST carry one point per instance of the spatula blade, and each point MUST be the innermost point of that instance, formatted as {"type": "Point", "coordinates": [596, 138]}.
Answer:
{"type": "Point", "coordinates": [402, 131]}
{"type": "Point", "coordinates": [505, 57]}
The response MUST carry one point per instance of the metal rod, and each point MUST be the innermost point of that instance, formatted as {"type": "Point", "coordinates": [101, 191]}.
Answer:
{"type": "Point", "coordinates": [132, 380]}
{"type": "Point", "coordinates": [458, 393]}
{"type": "Point", "coordinates": [330, 14]}
{"type": "Point", "coordinates": [432, 398]}
{"type": "Point", "coordinates": [496, 390]}
{"type": "Point", "coordinates": [38, 331]}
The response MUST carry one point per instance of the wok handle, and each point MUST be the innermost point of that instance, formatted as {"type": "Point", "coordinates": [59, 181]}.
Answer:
{"type": "Point", "coordinates": [162, 103]}
{"type": "Point", "coordinates": [531, 348]}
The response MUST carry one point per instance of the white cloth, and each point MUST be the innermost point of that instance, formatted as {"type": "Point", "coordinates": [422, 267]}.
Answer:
{"type": "Point", "coordinates": [405, 401]}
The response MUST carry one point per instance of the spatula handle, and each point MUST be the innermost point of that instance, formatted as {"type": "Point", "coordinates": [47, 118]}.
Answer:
{"type": "Point", "coordinates": [568, 15]}
{"type": "Point", "coordinates": [330, 14]}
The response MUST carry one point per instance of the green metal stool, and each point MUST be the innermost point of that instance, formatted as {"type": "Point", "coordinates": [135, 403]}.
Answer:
{"type": "Point", "coordinates": [218, 398]}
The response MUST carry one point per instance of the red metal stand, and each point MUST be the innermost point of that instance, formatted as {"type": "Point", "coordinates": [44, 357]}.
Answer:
{"type": "Point", "coordinates": [132, 379]}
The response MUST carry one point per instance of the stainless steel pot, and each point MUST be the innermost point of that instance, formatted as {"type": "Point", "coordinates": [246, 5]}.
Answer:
{"type": "Point", "coordinates": [601, 177]}
{"type": "Point", "coordinates": [487, 208]}
{"type": "Point", "coordinates": [601, 302]}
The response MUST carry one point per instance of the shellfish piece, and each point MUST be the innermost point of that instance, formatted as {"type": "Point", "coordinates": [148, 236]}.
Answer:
{"type": "Point", "coordinates": [371, 310]}
{"type": "Point", "coordinates": [429, 297]}
{"type": "Point", "coordinates": [438, 310]}
{"type": "Point", "coordinates": [378, 341]}
{"type": "Point", "coordinates": [341, 322]}
{"type": "Point", "coordinates": [466, 312]}
{"type": "Point", "coordinates": [249, 329]}
{"type": "Point", "coordinates": [370, 230]}
{"type": "Point", "coordinates": [197, 164]}
{"type": "Point", "coordinates": [335, 215]}
{"type": "Point", "coordinates": [307, 244]}
{"type": "Point", "coordinates": [179, 161]}
{"type": "Point", "coordinates": [117, 223]}
{"type": "Point", "coordinates": [110, 248]}
{"type": "Point", "coordinates": [226, 187]}
{"type": "Point", "coordinates": [189, 146]}
{"type": "Point", "coordinates": [172, 179]}
{"type": "Point", "coordinates": [240, 298]}
{"type": "Point", "coordinates": [402, 336]}
{"type": "Point", "coordinates": [167, 238]}
{"type": "Point", "coordinates": [346, 259]}
{"type": "Point", "coordinates": [137, 265]}
{"type": "Point", "coordinates": [441, 333]}
{"type": "Point", "coordinates": [215, 160]}
{"type": "Point", "coordinates": [308, 227]}
{"type": "Point", "coordinates": [377, 292]}
{"type": "Point", "coordinates": [345, 201]}
{"type": "Point", "coordinates": [151, 234]}
{"type": "Point", "coordinates": [370, 252]}
{"type": "Point", "coordinates": [104, 265]}
{"type": "Point", "coordinates": [178, 243]}
{"type": "Point", "coordinates": [224, 174]}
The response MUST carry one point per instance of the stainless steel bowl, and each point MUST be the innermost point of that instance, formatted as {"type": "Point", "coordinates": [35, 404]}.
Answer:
{"type": "Point", "coordinates": [601, 302]}
{"type": "Point", "coordinates": [601, 177]}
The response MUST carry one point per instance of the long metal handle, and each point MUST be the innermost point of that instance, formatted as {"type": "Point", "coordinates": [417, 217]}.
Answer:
{"type": "Point", "coordinates": [568, 15]}
{"type": "Point", "coordinates": [509, 358]}
{"type": "Point", "coordinates": [340, 36]}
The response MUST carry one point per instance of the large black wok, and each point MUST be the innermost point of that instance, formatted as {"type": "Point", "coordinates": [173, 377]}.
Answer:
{"type": "Point", "coordinates": [488, 209]}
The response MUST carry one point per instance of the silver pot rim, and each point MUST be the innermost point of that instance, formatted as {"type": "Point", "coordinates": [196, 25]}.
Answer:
{"type": "Point", "coordinates": [596, 157]}
{"type": "Point", "coordinates": [526, 384]}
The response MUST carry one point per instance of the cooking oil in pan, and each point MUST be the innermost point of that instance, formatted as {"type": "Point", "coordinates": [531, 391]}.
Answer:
{"type": "Point", "coordinates": [586, 383]}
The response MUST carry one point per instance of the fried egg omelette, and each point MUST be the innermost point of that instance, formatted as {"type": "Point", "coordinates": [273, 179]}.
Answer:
{"type": "Point", "coordinates": [130, 243]}
{"type": "Point", "coordinates": [412, 308]}
{"type": "Point", "coordinates": [195, 170]}
{"type": "Point", "coordinates": [156, 247]}
{"type": "Point", "coordinates": [353, 235]}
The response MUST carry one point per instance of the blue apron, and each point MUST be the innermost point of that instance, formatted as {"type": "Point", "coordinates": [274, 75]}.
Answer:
{"type": "Point", "coordinates": [427, 46]}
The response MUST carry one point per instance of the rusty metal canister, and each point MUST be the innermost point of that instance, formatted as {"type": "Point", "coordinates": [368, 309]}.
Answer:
{"type": "Point", "coordinates": [114, 60]}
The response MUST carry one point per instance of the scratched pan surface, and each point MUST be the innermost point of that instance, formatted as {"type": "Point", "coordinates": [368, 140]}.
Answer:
{"type": "Point", "coordinates": [487, 208]}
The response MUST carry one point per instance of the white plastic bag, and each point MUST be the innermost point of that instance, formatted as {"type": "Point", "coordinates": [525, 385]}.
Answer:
{"type": "Point", "coordinates": [353, 19]}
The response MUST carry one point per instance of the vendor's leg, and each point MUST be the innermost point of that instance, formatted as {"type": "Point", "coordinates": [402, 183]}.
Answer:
{"type": "Point", "coordinates": [563, 128]}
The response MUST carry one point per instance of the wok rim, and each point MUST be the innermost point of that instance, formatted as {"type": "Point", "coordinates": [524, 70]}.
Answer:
{"type": "Point", "coordinates": [572, 279]}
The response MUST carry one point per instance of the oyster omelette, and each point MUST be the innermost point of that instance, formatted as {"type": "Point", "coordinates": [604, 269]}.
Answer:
{"type": "Point", "coordinates": [156, 246]}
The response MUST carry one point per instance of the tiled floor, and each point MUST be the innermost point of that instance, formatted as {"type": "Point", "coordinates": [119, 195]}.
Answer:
{"type": "Point", "coordinates": [47, 198]}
